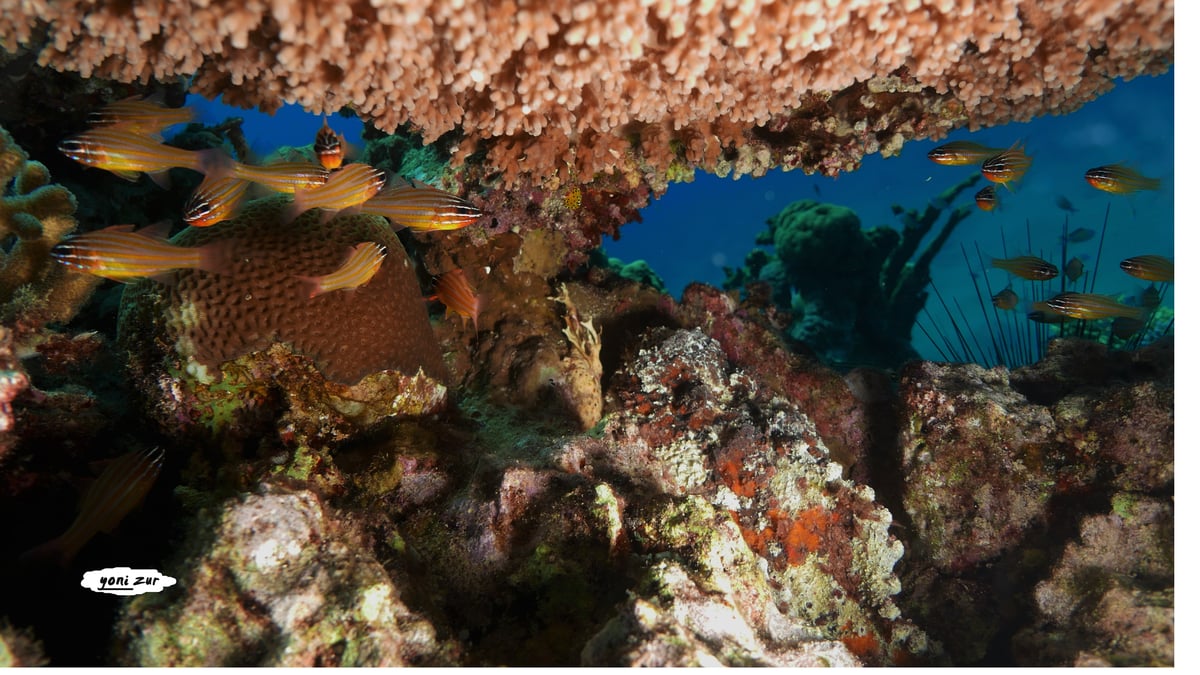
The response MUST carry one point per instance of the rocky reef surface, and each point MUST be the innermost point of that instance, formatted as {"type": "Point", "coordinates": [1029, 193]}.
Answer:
{"type": "Point", "coordinates": [735, 504]}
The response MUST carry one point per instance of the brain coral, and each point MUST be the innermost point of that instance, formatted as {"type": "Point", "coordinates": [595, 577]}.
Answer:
{"type": "Point", "coordinates": [576, 85]}
{"type": "Point", "coordinates": [259, 299]}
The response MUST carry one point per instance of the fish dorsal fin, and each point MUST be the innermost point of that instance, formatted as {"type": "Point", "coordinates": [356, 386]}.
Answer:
{"type": "Point", "coordinates": [158, 230]}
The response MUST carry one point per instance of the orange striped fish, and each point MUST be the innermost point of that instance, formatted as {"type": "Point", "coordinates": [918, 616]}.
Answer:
{"type": "Point", "coordinates": [1119, 179]}
{"type": "Point", "coordinates": [120, 254]}
{"type": "Point", "coordinates": [286, 177]}
{"type": "Point", "coordinates": [1089, 306]}
{"type": "Point", "coordinates": [329, 146]}
{"type": "Point", "coordinates": [986, 198]}
{"type": "Point", "coordinates": [215, 199]}
{"type": "Point", "coordinates": [122, 486]}
{"type": "Point", "coordinates": [141, 114]}
{"type": "Point", "coordinates": [422, 207]}
{"type": "Point", "coordinates": [455, 292]}
{"type": "Point", "coordinates": [1028, 267]}
{"type": "Point", "coordinates": [962, 153]}
{"type": "Point", "coordinates": [349, 186]}
{"type": "Point", "coordinates": [360, 267]}
{"type": "Point", "coordinates": [128, 152]}
{"type": "Point", "coordinates": [1008, 166]}
{"type": "Point", "coordinates": [1149, 268]}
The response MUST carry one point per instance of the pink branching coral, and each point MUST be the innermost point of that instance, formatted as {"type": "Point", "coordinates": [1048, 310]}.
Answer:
{"type": "Point", "coordinates": [573, 87]}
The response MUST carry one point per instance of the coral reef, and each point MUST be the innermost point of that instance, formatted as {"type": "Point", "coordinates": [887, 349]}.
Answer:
{"type": "Point", "coordinates": [284, 582]}
{"type": "Point", "coordinates": [854, 293]}
{"type": "Point", "coordinates": [255, 298]}
{"type": "Point", "coordinates": [550, 90]}
{"type": "Point", "coordinates": [37, 214]}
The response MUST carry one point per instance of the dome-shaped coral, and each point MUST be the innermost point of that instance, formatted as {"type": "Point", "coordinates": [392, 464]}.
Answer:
{"type": "Point", "coordinates": [259, 297]}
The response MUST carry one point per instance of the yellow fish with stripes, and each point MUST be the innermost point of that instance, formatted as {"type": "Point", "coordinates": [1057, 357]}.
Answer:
{"type": "Point", "coordinates": [285, 177]}
{"type": "Point", "coordinates": [141, 114]}
{"type": "Point", "coordinates": [215, 199]}
{"type": "Point", "coordinates": [349, 186]}
{"type": "Point", "coordinates": [1090, 306]}
{"type": "Point", "coordinates": [454, 291]}
{"type": "Point", "coordinates": [421, 207]}
{"type": "Point", "coordinates": [122, 486]}
{"type": "Point", "coordinates": [360, 267]}
{"type": "Point", "coordinates": [129, 152]}
{"type": "Point", "coordinates": [121, 254]}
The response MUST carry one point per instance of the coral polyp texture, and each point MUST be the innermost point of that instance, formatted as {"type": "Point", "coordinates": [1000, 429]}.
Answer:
{"type": "Point", "coordinates": [574, 87]}
{"type": "Point", "coordinates": [258, 297]}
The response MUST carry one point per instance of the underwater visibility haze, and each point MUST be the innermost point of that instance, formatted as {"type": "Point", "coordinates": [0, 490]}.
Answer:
{"type": "Point", "coordinates": [606, 334]}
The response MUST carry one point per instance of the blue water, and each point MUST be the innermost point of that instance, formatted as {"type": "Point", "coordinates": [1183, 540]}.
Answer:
{"type": "Point", "coordinates": [697, 228]}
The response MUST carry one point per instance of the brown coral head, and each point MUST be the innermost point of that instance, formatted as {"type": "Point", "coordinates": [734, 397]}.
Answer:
{"type": "Point", "coordinates": [257, 297]}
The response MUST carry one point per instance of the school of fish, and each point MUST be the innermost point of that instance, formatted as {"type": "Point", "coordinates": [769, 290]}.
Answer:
{"type": "Point", "coordinates": [1007, 167]}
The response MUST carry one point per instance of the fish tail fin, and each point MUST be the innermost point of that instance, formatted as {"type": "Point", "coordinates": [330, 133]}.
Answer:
{"type": "Point", "coordinates": [214, 163]}
{"type": "Point", "coordinates": [217, 257]}
{"type": "Point", "coordinates": [310, 287]}
{"type": "Point", "coordinates": [59, 551]}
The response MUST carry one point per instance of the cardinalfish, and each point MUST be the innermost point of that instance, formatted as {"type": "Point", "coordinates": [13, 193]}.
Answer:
{"type": "Point", "coordinates": [422, 208]}
{"type": "Point", "coordinates": [360, 267]}
{"type": "Point", "coordinates": [1077, 236]}
{"type": "Point", "coordinates": [1065, 204]}
{"type": "Point", "coordinates": [329, 146]}
{"type": "Point", "coordinates": [120, 254]}
{"type": "Point", "coordinates": [349, 186]}
{"type": "Point", "coordinates": [1089, 306]}
{"type": "Point", "coordinates": [1149, 268]}
{"type": "Point", "coordinates": [986, 198]}
{"type": "Point", "coordinates": [128, 152]}
{"type": "Point", "coordinates": [1008, 166]}
{"type": "Point", "coordinates": [121, 487]}
{"type": "Point", "coordinates": [142, 114]}
{"type": "Point", "coordinates": [962, 153]}
{"type": "Point", "coordinates": [455, 292]}
{"type": "Point", "coordinates": [1119, 179]}
{"type": "Point", "coordinates": [1028, 267]}
{"type": "Point", "coordinates": [1005, 299]}
{"type": "Point", "coordinates": [215, 199]}
{"type": "Point", "coordinates": [1125, 327]}
{"type": "Point", "coordinates": [1074, 269]}
{"type": "Point", "coordinates": [1040, 312]}
{"type": "Point", "coordinates": [286, 177]}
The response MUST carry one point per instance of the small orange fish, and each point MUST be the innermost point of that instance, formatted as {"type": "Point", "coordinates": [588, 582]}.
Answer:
{"type": "Point", "coordinates": [329, 146]}
{"type": "Point", "coordinates": [1008, 166]}
{"type": "Point", "coordinates": [1074, 269]}
{"type": "Point", "coordinates": [349, 186]}
{"type": "Point", "coordinates": [122, 485]}
{"type": "Point", "coordinates": [128, 152]}
{"type": "Point", "coordinates": [141, 114]}
{"type": "Point", "coordinates": [962, 153]}
{"type": "Point", "coordinates": [120, 254]}
{"type": "Point", "coordinates": [1005, 299]}
{"type": "Point", "coordinates": [422, 208]}
{"type": "Point", "coordinates": [1149, 267]}
{"type": "Point", "coordinates": [215, 199]}
{"type": "Point", "coordinates": [1119, 179]}
{"type": "Point", "coordinates": [285, 177]}
{"type": "Point", "coordinates": [1028, 267]}
{"type": "Point", "coordinates": [1089, 306]}
{"type": "Point", "coordinates": [360, 267]}
{"type": "Point", "coordinates": [986, 198]}
{"type": "Point", "coordinates": [456, 293]}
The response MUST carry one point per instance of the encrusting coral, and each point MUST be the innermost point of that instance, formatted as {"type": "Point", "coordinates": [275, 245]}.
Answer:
{"type": "Point", "coordinates": [572, 87]}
